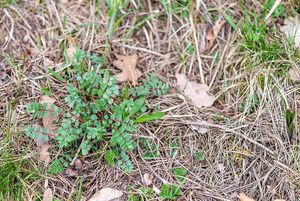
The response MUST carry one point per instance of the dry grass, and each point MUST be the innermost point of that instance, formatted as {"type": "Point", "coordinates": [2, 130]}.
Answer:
{"type": "Point", "coordinates": [245, 152]}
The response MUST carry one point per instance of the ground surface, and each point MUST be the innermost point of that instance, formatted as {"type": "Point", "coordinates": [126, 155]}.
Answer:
{"type": "Point", "coordinates": [247, 148]}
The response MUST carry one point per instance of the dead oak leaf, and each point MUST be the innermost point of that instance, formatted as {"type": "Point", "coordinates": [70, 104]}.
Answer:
{"type": "Point", "coordinates": [147, 179]}
{"type": "Point", "coordinates": [213, 33]}
{"type": "Point", "coordinates": [291, 29]}
{"type": "Point", "coordinates": [107, 194]}
{"type": "Point", "coordinates": [244, 197]}
{"type": "Point", "coordinates": [48, 119]}
{"type": "Point", "coordinates": [198, 93]}
{"type": "Point", "coordinates": [128, 66]}
{"type": "Point", "coordinates": [294, 74]}
{"type": "Point", "coordinates": [44, 154]}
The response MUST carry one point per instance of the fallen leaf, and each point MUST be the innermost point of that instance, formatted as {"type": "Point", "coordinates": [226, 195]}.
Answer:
{"type": "Point", "coordinates": [44, 154]}
{"type": "Point", "coordinates": [291, 29]}
{"type": "Point", "coordinates": [147, 179]}
{"type": "Point", "coordinates": [78, 164]}
{"type": "Point", "coordinates": [107, 194]}
{"type": "Point", "coordinates": [48, 196]}
{"type": "Point", "coordinates": [128, 66]}
{"type": "Point", "coordinates": [244, 197]}
{"type": "Point", "coordinates": [72, 172]}
{"type": "Point", "coordinates": [48, 63]}
{"type": "Point", "coordinates": [213, 33]}
{"type": "Point", "coordinates": [48, 120]}
{"type": "Point", "coordinates": [71, 49]}
{"type": "Point", "coordinates": [200, 126]}
{"type": "Point", "coordinates": [279, 200]}
{"type": "Point", "coordinates": [198, 93]}
{"type": "Point", "coordinates": [294, 74]}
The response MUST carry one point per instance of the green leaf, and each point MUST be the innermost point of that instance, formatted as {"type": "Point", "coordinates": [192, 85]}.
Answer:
{"type": "Point", "coordinates": [170, 192]}
{"type": "Point", "coordinates": [138, 104]}
{"type": "Point", "coordinates": [56, 167]}
{"type": "Point", "coordinates": [149, 117]}
{"type": "Point", "coordinates": [289, 118]}
{"type": "Point", "coordinates": [110, 158]}
{"type": "Point", "coordinates": [230, 20]}
{"type": "Point", "coordinates": [180, 173]}
{"type": "Point", "coordinates": [200, 156]}
{"type": "Point", "coordinates": [46, 91]}
{"type": "Point", "coordinates": [56, 75]}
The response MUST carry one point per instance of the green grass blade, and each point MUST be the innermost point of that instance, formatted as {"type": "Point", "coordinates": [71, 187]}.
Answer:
{"type": "Point", "coordinates": [289, 118]}
{"type": "Point", "coordinates": [56, 75]}
{"type": "Point", "coordinates": [230, 20]}
{"type": "Point", "coordinates": [150, 117]}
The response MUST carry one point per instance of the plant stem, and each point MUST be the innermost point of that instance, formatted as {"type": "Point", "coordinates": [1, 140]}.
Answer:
{"type": "Point", "coordinates": [77, 153]}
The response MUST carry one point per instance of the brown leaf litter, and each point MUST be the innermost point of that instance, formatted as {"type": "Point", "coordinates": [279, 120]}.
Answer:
{"type": "Point", "coordinates": [244, 197]}
{"type": "Point", "coordinates": [294, 74]}
{"type": "Point", "coordinates": [107, 194]}
{"type": "Point", "coordinates": [47, 121]}
{"type": "Point", "coordinates": [71, 50]}
{"type": "Point", "coordinates": [128, 66]}
{"type": "Point", "coordinates": [291, 29]}
{"type": "Point", "coordinates": [44, 154]}
{"type": "Point", "coordinates": [147, 179]}
{"type": "Point", "coordinates": [198, 93]}
{"type": "Point", "coordinates": [213, 33]}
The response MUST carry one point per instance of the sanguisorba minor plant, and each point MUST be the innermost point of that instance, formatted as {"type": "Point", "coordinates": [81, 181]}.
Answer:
{"type": "Point", "coordinates": [98, 110]}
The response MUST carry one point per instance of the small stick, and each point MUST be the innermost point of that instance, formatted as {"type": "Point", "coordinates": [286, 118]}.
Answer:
{"type": "Point", "coordinates": [198, 53]}
{"type": "Point", "coordinates": [11, 29]}
{"type": "Point", "coordinates": [219, 64]}
{"type": "Point", "coordinates": [275, 5]}
{"type": "Point", "coordinates": [77, 153]}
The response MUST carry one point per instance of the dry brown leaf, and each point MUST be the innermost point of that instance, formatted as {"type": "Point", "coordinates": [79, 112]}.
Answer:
{"type": "Point", "coordinates": [291, 29]}
{"type": "Point", "coordinates": [78, 164]}
{"type": "Point", "coordinates": [71, 49]}
{"type": "Point", "coordinates": [198, 93]}
{"type": "Point", "coordinates": [147, 179]}
{"type": "Point", "coordinates": [48, 195]}
{"type": "Point", "coordinates": [107, 194]}
{"type": "Point", "coordinates": [279, 200]}
{"type": "Point", "coordinates": [213, 33]}
{"type": "Point", "coordinates": [44, 154]}
{"type": "Point", "coordinates": [71, 172]}
{"type": "Point", "coordinates": [294, 74]}
{"type": "Point", "coordinates": [47, 121]}
{"type": "Point", "coordinates": [128, 66]}
{"type": "Point", "coordinates": [244, 197]}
